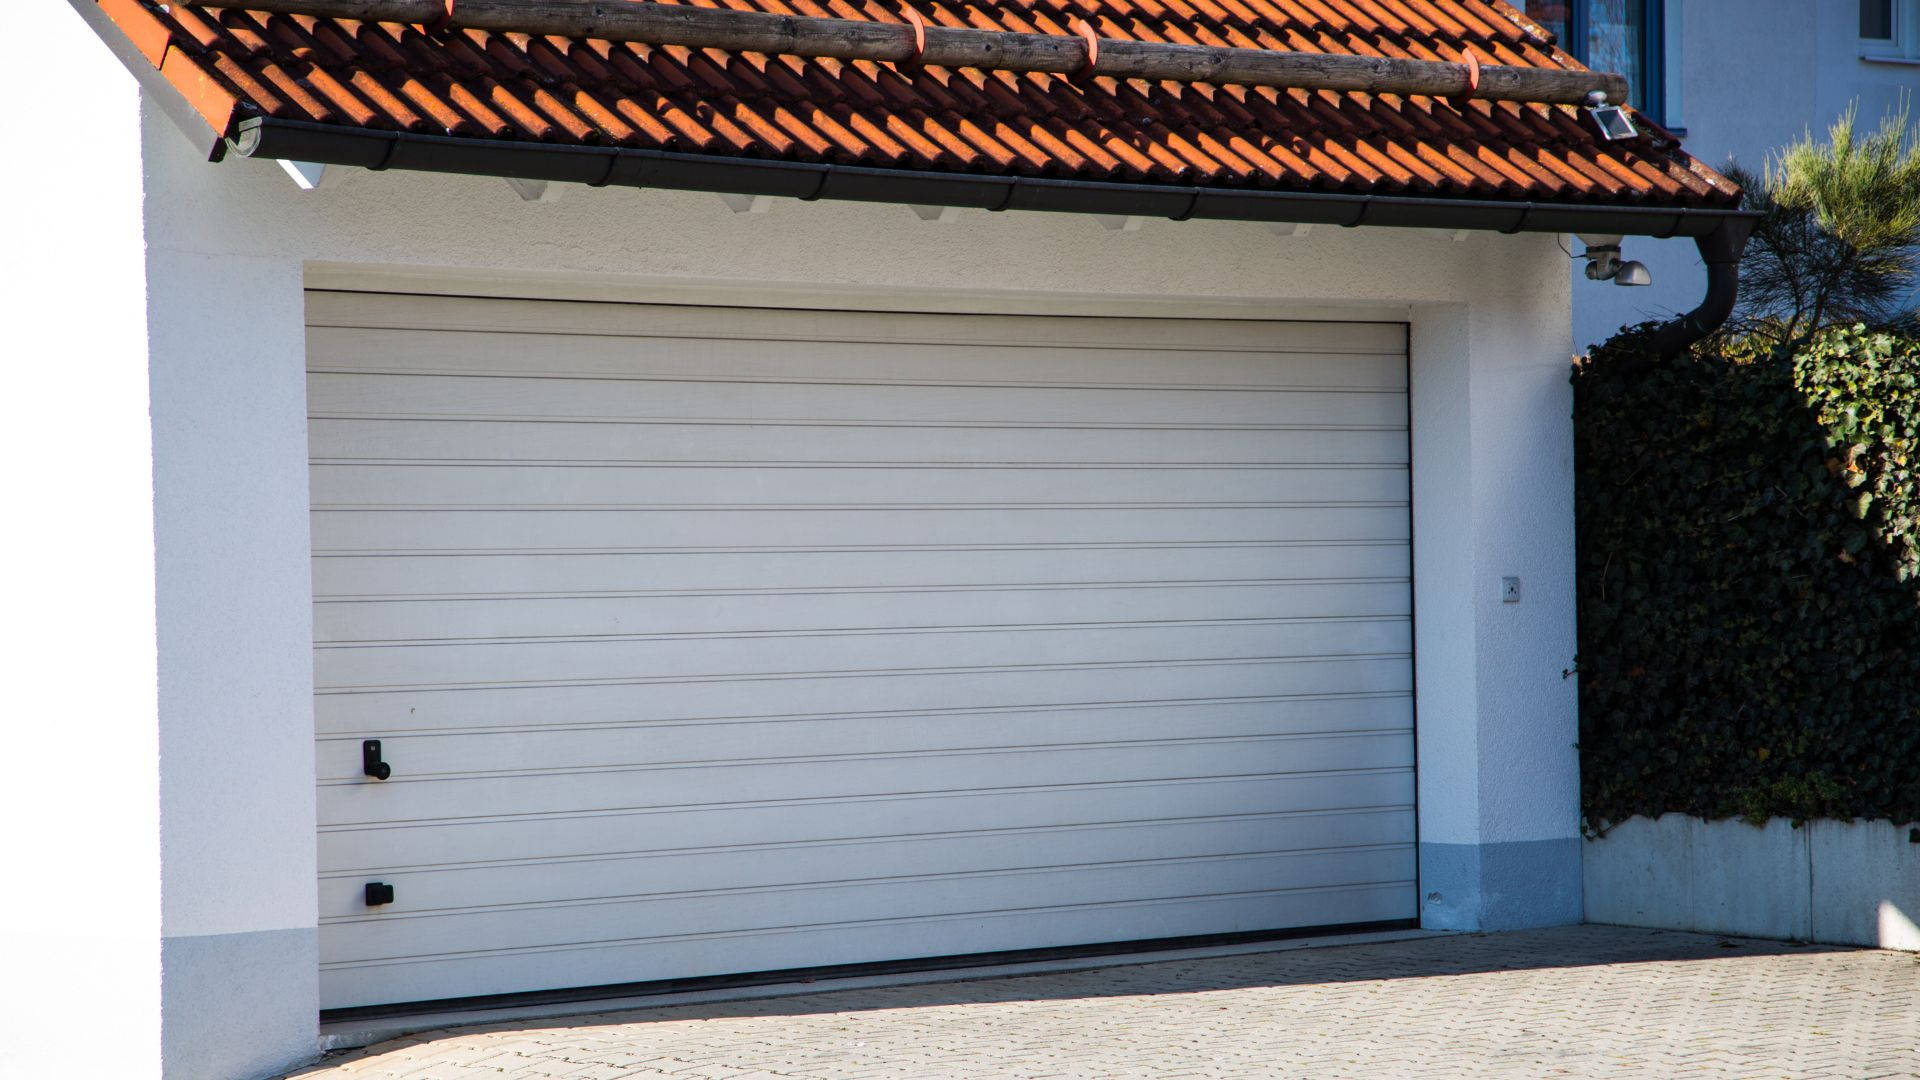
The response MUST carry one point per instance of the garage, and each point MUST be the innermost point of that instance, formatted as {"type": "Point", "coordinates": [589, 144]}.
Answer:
{"type": "Point", "coordinates": [708, 640]}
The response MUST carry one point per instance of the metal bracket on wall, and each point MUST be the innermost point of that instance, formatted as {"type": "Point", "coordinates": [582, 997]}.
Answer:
{"type": "Point", "coordinates": [370, 762]}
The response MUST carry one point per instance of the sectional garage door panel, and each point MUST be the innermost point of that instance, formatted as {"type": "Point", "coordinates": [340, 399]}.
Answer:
{"type": "Point", "coordinates": [707, 640]}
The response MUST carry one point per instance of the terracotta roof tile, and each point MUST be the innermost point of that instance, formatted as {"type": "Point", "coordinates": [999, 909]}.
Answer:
{"type": "Point", "coordinates": [513, 86]}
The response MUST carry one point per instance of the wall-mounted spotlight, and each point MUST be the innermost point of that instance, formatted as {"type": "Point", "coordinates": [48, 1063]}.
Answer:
{"type": "Point", "coordinates": [1604, 262]}
{"type": "Point", "coordinates": [1612, 121]}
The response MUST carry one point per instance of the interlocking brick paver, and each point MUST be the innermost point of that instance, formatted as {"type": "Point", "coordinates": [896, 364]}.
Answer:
{"type": "Point", "coordinates": [1574, 1001]}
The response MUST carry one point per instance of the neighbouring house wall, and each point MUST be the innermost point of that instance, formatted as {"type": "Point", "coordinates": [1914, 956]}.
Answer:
{"type": "Point", "coordinates": [80, 907]}
{"type": "Point", "coordinates": [232, 245]}
{"type": "Point", "coordinates": [1848, 883]}
{"type": "Point", "coordinates": [1756, 75]}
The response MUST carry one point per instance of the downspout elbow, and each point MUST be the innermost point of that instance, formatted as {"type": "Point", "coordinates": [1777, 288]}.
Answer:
{"type": "Point", "coordinates": [1720, 250]}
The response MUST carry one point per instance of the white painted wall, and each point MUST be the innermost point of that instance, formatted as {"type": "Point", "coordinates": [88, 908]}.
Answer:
{"type": "Point", "coordinates": [229, 249]}
{"type": "Point", "coordinates": [1756, 75]}
{"type": "Point", "coordinates": [236, 706]}
{"type": "Point", "coordinates": [80, 908]}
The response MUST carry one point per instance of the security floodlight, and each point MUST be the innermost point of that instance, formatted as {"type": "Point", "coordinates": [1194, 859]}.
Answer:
{"type": "Point", "coordinates": [1604, 262]}
{"type": "Point", "coordinates": [1633, 273]}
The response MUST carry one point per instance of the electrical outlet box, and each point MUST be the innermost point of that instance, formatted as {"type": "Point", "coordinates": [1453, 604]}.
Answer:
{"type": "Point", "coordinates": [1509, 590]}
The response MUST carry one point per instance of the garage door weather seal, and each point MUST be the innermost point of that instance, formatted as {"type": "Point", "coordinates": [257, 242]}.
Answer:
{"type": "Point", "coordinates": [664, 987]}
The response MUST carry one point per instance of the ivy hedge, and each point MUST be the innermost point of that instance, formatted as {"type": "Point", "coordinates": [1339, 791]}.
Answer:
{"type": "Point", "coordinates": [1749, 579]}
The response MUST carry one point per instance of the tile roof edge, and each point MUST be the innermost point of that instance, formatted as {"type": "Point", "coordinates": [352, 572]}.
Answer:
{"type": "Point", "coordinates": [601, 166]}
{"type": "Point", "coordinates": [199, 108]}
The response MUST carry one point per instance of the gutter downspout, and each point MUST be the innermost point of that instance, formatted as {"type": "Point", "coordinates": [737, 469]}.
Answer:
{"type": "Point", "coordinates": [1720, 250]}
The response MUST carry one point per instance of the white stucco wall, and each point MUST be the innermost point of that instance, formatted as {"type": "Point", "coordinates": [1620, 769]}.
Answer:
{"type": "Point", "coordinates": [1490, 400]}
{"type": "Point", "coordinates": [228, 249]}
{"type": "Point", "coordinates": [80, 907]}
{"type": "Point", "coordinates": [1756, 75]}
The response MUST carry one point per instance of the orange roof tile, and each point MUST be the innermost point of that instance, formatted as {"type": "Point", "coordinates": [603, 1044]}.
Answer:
{"type": "Point", "coordinates": [235, 63]}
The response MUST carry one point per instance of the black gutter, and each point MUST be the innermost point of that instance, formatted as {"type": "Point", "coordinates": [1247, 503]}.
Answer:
{"type": "Point", "coordinates": [1720, 250]}
{"type": "Point", "coordinates": [1721, 234]}
{"type": "Point", "coordinates": [599, 166]}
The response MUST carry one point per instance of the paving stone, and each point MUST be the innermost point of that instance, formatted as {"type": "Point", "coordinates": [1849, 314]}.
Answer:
{"type": "Point", "coordinates": [1573, 1001]}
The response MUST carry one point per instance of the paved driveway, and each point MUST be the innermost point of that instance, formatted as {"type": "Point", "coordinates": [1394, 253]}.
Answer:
{"type": "Point", "coordinates": [1579, 1001]}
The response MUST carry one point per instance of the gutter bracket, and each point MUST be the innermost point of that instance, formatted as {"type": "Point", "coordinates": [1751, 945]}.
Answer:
{"type": "Point", "coordinates": [1519, 223]}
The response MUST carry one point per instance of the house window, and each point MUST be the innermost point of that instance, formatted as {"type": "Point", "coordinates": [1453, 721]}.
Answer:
{"type": "Point", "coordinates": [1890, 29]}
{"type": "Point", "coordinates": [1876, 21]}
{"type": "Point", "coordinates": [1637, 38]}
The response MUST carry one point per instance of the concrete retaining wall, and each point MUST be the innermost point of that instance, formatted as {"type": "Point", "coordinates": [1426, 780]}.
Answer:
{"type": "Point", "coordinates": [1849, 883]}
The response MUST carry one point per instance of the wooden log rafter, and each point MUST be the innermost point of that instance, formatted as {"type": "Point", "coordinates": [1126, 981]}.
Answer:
{"type": "Point", "coordinates": [955, 47]}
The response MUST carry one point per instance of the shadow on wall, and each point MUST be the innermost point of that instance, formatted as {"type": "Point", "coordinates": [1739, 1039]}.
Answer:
{"type": "Point", "coordinates": [1839, 882]}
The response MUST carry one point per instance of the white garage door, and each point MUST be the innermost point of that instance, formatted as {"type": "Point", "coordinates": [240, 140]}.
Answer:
{"type": "Point", "coordinates": [708, 640]}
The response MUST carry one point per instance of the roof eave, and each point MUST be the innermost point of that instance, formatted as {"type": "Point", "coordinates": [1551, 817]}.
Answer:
{"type": "Point", "coordinates": [329, 144]}
{"type": "Point", "coordinates": [156, 87]}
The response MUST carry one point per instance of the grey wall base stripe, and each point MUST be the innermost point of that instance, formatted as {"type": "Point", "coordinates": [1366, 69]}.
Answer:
{"type": "Point", "coordinates": [239, 1006]}
{"type": "Point", "coordinates": [332, 144]}
{"type": "Point", "coordinates": [1511, 886]}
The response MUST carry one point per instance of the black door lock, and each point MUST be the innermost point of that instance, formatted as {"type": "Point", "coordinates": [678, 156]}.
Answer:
{"type": "Point", "coordinates": [379, 892]}
{"type": "Point", "coordinates": [370, 762]}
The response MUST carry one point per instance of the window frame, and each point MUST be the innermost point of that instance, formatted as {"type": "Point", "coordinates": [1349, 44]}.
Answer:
{"type": "Point", "coordinates": [1886, 45]}
{"type": "Point", "coordinates": [1654, 58]}
{"type": "Point", "coordinates": [1903, 46]}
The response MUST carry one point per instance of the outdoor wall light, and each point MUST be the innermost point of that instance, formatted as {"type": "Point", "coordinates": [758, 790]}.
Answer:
{"type": "Point", "coordinates": [1633, 273]}
{"type": "Point", "coordinates": [1604, 262]}
{"type": "Point", "coordinates": [1612, 121]}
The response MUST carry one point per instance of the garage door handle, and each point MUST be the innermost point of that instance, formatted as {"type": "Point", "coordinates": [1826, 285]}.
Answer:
{"type": "Point", "coordinates": [370, 762]}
